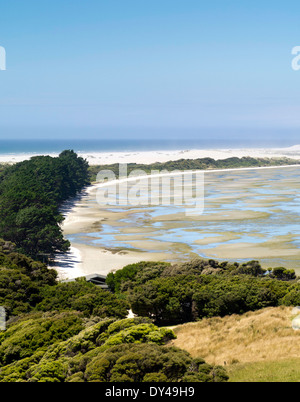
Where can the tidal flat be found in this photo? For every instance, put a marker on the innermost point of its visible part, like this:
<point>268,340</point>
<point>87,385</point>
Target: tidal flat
<point>248,214</point>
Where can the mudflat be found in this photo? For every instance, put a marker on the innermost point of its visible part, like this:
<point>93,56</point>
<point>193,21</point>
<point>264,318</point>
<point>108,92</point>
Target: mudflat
<point>248,214</point>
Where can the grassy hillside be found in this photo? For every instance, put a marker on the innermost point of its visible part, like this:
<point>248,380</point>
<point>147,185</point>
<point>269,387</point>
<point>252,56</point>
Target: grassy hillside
<point>270,371</point>
<point>255,346</point>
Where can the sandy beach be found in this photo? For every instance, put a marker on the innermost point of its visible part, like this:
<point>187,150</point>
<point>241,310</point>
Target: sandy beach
<point>83,259</point>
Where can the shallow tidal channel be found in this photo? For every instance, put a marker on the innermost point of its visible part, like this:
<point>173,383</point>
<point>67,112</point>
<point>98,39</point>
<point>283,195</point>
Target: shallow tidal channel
<point>248,214</point>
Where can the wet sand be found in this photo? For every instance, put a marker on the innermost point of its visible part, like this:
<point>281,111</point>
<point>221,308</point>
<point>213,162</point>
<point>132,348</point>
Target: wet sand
<point>85,216</point>
<point>249,214</point>
<point>98,260</point>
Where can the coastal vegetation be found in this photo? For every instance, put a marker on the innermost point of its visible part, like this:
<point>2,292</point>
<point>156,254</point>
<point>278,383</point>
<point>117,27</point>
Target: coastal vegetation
<point>3,166</point>
<point>65,347</point>
<point>195,164</point>
<point>178,293</point>
<point>31,193</point>
<point>77,332</point>
<point>27,285</point>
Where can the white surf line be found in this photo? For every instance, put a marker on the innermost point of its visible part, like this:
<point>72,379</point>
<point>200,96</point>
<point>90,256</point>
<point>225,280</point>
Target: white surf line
<point>178,173</point>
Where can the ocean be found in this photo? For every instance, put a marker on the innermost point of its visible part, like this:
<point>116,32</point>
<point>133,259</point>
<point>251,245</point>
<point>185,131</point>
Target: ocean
<point>42,146</point>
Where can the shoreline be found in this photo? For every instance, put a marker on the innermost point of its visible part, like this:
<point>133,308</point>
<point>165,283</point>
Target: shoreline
<point>98,260</point>
<point>148,157</point>
<point>85,259</point>
<point>68,263</point>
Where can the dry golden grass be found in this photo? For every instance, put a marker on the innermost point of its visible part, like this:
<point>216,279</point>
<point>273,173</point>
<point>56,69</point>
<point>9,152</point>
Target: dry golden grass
<point>264,335</point>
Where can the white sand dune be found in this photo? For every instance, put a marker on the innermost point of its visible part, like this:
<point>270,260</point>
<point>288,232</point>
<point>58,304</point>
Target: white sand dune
<point>147,157</point>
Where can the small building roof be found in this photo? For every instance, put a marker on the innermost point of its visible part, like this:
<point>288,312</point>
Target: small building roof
<point>96,279</point>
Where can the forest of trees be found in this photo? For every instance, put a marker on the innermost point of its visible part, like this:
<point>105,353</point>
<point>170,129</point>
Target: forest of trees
<point>175,294</point>
<point>31,193</point>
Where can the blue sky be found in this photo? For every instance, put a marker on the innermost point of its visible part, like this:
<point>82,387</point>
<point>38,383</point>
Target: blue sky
<point>155,68</point>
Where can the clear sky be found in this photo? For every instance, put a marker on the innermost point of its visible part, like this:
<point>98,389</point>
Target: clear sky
<point>159,67</point>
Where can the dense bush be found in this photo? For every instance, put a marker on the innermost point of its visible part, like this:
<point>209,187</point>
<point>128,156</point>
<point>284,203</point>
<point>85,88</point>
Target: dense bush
<point>174,294</point>
<point>104,351</point>
<point>149,363</point>
<point>30,195</point>
<point>195,164</point>
<point>27,285</point>
<point>141,272</point>
<point>292,298</point>
<point>37,331</point>
<point>81,296</point>
<point>21,280</point>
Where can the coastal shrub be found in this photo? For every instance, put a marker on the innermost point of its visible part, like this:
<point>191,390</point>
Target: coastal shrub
<point>195,164</point>
<point>27,285</point>
<point>131,275</point>
<point>140,272</point>
<point>120,325</point>
<point>282,274</point>
<point>166,300</point>
<point>292,298</point>
<point>21,280</point>
<point>140,333</point>
<point>148,363</point>
<point>183,298</point>
<point>134,330</point>
<point>62,352</point>
<point>48,371</point>
<point>182,292</point>
<point>37,331</point>
<point>252,268</point>
<point>155,377</point>
<point>84,297</point>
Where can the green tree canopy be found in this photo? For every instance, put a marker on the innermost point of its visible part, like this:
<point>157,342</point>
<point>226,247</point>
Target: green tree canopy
<point>31,193</point>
